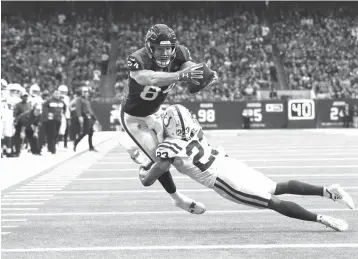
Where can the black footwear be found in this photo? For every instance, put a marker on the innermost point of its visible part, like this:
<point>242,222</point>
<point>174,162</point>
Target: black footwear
<point>93,149</point>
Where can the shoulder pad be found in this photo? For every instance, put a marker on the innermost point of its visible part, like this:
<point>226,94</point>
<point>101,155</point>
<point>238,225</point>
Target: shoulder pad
<point>138,60</point>
<point>183,54</point>
<point>170,148</point>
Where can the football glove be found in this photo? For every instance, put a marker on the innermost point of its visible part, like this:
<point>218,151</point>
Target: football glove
<point>190,74</point>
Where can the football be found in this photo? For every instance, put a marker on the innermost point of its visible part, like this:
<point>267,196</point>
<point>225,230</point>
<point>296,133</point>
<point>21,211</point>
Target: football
<point>208,75</point>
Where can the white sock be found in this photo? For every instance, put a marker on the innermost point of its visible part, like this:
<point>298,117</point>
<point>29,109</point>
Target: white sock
<point>319,217</point>
<point>177,196</point>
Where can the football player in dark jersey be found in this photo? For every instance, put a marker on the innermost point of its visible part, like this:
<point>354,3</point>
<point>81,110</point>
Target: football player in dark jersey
<point>153,72</point>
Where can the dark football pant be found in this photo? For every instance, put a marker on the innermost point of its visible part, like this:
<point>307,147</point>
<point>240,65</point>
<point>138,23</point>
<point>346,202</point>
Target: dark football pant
<point>31,139</point>
<point>75,128</point>
<point>52,130</point>
<point>17,139</point>
<point>87,129</point>
<point>42,135</point>
<point>65,136</point>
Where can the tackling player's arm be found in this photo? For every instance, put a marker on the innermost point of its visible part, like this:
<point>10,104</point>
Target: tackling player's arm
<point>149,176</point>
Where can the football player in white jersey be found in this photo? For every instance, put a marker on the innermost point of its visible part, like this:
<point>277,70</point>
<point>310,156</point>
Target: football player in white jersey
<point>186,147</point>
<point>10,97</point>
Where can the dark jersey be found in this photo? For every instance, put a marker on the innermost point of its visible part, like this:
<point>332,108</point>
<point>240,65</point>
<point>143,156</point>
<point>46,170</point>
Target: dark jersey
<point>144,100</point>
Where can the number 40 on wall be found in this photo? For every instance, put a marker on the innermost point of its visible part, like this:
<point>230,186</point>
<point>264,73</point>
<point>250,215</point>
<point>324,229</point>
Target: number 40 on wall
<point>301,109</point>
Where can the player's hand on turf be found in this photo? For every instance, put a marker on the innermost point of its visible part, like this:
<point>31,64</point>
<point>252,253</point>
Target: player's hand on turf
<point>190,74</point>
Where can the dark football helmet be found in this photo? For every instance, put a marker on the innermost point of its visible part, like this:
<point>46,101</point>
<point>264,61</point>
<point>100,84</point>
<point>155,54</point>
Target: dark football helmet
<point>161,37</point>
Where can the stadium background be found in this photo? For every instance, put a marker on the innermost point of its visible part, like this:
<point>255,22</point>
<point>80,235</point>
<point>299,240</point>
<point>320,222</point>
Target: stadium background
<point>91,205</point>
<point>299,49</point>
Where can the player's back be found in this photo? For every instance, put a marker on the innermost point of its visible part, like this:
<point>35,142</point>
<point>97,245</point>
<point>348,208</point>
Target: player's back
<point>142,100</point>
<point>195,158</point>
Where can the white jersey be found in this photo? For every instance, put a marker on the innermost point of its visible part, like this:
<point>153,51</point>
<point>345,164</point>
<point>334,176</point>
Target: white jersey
<point>195,158</point>
<point>12,100</point>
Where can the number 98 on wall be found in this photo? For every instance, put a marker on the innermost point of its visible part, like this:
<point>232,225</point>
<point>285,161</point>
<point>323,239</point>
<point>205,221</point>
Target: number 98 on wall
<point>301,109</point>
<point>205,115</point>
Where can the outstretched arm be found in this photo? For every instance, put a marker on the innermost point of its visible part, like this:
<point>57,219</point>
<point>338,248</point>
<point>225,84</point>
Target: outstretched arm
<point>150,77</point>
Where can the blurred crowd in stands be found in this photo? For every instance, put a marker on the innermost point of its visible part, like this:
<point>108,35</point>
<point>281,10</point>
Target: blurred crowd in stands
<point>72,44</point>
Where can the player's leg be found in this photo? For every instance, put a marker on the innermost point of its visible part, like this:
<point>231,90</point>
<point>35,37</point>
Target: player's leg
<point>8,132</point>
<point>334,191</point>
<point>65,136</point>
<point>90,123</point>
<point>81,134</point>
<point>17,139</point>
<point>293,210</point>
<point>250,187</point>
<point>147,141</point>
<point>49,135</point>
<point>31,139</point>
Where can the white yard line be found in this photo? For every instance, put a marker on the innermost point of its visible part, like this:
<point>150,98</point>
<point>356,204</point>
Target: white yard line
<point>39,189</point>
<point>10,209</point>
<point>28,195</point>
<point>15,199</point>
<point>180,247</point>
<point>174,212</point>
<point>13,220</point>
<point>21,203</point>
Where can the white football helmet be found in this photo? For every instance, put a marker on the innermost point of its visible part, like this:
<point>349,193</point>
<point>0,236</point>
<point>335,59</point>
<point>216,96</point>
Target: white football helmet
<point>63,90</point>
<point>15,90</point>
<point>35,90</point>
<point>178,123</point>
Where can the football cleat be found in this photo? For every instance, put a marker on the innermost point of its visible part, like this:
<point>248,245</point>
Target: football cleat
<point>336,224</point>
<point>338,194</point>
<point>190,206</point>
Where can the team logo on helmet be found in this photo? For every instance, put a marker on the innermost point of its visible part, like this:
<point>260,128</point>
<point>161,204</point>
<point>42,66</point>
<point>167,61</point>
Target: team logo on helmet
<point>179,123</point>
